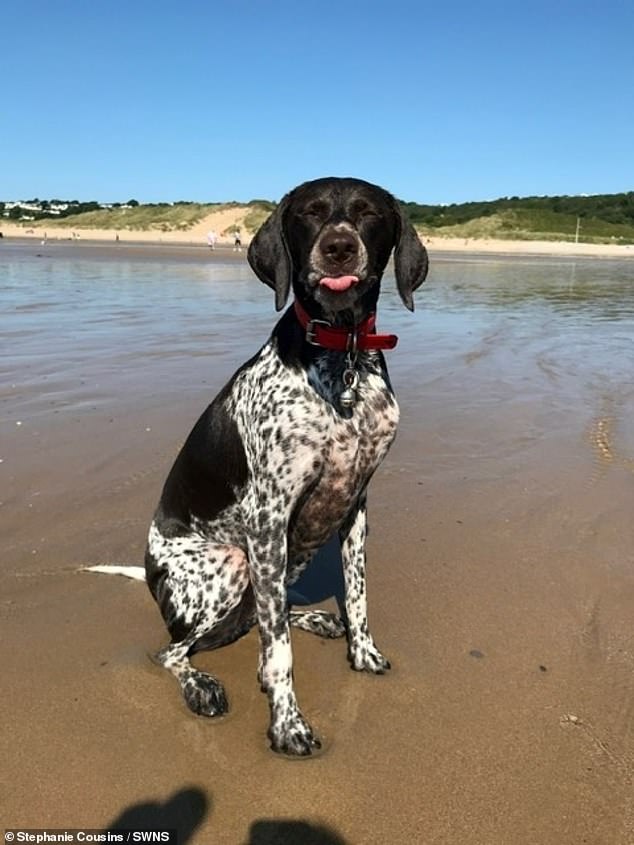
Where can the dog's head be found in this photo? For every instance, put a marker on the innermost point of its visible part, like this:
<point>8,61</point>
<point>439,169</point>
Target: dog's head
<point>331,240</point>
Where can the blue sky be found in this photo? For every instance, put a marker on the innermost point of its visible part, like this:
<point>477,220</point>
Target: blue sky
<point>438,102</point>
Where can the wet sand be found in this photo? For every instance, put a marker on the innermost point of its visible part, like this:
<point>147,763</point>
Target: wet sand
<point>501,587</point>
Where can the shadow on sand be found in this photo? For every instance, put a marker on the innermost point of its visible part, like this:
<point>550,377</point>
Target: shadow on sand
<point>322,579</point>
<point>185,811</point>
<point>292,832</point>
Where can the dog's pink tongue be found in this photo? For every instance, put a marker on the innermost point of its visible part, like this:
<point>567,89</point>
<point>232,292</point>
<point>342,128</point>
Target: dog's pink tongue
<point>339,283</point>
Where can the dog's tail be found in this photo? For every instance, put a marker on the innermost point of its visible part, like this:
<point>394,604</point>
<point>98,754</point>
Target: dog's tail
<point>137,573</point>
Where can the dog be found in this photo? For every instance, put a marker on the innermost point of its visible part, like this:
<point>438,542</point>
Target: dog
<point>282,457</point>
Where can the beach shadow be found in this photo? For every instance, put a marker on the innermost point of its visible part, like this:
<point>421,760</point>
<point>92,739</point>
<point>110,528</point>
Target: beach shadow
<point>183,812</point>
<point>292,832</point>
<point>322,579</point>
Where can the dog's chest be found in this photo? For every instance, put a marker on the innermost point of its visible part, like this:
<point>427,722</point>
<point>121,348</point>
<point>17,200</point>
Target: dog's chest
<point>352,445</point>
<point>313,457</point>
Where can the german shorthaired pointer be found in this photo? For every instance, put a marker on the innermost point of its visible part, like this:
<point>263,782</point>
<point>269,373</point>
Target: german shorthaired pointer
<point>282,457</point>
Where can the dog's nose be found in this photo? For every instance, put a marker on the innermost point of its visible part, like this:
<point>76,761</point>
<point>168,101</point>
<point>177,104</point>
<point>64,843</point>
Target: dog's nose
<point>339,247</point>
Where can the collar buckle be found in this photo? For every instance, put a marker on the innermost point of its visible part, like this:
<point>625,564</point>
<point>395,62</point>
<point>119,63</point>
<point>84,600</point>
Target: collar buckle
<point>311,331</point>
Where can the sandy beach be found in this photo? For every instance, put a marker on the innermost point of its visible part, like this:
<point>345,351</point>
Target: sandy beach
<point>501,585</point>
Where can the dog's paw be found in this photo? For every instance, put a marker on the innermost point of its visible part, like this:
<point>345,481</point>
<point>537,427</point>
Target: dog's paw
<point>294,737</point>
<point>365,657</point>
<point>319,622</point>
<point>204,695</point>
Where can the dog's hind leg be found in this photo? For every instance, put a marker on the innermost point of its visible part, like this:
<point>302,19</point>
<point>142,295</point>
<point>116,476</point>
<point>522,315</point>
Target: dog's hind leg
<point>320,622</point>
<point>235,625</point>
<point>203,693</point>
<point>198,586</point>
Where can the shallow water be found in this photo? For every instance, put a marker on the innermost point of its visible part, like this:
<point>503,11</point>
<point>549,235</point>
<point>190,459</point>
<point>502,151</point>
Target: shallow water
<point>90,329</point>
<point>82,330</point>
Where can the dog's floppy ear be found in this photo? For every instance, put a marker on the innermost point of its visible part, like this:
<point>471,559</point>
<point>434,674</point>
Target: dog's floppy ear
<point>410,258</point>
<point>269,257</point>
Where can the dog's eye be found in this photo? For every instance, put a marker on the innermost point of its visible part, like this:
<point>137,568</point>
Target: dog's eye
<point>363,211</point>
<point>316,209</point>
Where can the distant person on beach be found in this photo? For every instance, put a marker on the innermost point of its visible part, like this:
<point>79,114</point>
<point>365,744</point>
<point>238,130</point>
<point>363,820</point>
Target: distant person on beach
<point>211,239</point>
<point>237,244</point>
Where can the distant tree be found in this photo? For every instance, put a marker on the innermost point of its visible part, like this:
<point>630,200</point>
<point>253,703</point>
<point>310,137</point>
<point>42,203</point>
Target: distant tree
<point>133,203</point>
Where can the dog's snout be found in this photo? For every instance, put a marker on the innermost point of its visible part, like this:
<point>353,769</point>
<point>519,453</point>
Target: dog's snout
<point>339,247</point>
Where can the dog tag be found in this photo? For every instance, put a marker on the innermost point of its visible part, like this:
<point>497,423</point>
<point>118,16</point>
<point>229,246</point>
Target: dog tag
<point>350,380</point>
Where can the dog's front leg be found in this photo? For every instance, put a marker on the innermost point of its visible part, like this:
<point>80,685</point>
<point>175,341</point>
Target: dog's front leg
<point>289,732</point>
<point>362,653</point>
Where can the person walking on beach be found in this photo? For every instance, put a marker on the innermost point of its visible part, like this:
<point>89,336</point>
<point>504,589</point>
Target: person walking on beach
<point>237,244</point>
<point>211,239</point>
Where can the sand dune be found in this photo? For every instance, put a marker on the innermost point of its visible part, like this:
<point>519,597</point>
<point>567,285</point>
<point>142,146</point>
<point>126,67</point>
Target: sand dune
<point>220,221</point>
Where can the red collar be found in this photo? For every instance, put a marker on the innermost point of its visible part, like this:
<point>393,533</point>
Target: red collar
<point>361,337</point>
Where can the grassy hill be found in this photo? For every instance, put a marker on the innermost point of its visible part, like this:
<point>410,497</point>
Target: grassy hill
<point>530,225</point>
<point>162,217</point>
<point>602,218</point>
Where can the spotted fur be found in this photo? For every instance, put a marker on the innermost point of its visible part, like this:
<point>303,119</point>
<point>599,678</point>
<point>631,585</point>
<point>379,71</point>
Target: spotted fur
<point>276,464</point>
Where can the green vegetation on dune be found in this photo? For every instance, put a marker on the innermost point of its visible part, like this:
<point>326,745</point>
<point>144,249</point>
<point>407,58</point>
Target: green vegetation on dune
<point>525,224</point>
<point>601,218</point>
<point>258,211</point>
<point>163,217</point>
<point>612,208</point>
